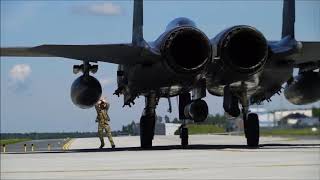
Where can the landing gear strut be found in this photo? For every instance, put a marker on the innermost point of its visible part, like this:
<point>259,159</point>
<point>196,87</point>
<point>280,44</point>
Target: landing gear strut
<point>147,121</point>
<point>250,122</point>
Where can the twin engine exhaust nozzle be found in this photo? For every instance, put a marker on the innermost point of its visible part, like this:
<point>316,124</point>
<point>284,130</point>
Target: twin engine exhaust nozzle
<point>186,49</point>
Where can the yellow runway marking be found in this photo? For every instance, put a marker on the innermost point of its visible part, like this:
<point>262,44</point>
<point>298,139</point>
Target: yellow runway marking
<point>67,145</point>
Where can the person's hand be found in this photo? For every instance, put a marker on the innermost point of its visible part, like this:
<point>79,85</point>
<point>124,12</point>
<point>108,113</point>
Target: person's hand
<point>103,105</point>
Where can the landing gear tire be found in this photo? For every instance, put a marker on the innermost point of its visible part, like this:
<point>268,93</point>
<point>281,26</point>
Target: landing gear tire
<point>146,131</point>
<point>251,127</point>
<point>184,135</point>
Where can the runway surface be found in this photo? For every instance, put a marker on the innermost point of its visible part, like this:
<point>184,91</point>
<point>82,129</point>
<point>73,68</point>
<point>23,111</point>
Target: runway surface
<point>38,145</point>
<point>208,157</point>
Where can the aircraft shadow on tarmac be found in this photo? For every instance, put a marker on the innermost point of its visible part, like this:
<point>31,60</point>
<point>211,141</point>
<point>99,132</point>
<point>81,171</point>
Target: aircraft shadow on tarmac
<point>190,147</point>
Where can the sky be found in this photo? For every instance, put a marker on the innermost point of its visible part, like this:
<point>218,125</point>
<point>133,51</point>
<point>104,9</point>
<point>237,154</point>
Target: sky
<point>35,92</point>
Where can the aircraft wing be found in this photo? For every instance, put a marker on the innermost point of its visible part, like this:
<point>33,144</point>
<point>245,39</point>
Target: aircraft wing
<point>111,53</point>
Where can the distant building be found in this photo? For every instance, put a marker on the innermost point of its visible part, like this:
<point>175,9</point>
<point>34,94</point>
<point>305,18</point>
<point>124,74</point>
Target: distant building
<point>170,128</point>
<point>280,114</point>
<point>266,119</point>
<point>299,120</point>
<point>309,122</point>
<point>274,118</point>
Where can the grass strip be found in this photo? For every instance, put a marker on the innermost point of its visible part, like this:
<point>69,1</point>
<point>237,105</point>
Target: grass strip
<point>12,141</point>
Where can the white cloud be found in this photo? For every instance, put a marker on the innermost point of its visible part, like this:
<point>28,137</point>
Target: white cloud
<point>102,9</point>
<point>20,72</point>
<point>106,81</point>
<point>18,17</point>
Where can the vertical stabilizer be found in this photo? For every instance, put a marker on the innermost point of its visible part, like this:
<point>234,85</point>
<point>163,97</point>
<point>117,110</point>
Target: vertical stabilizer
<point>137,29</point>
<point>288,18</point>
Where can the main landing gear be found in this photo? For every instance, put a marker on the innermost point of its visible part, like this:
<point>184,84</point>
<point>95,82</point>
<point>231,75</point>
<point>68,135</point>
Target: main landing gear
<point>250,120</point>
<point>147,121</point>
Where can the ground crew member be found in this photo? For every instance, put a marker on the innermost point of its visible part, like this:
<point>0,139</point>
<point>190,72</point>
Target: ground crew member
<point>102,107</point>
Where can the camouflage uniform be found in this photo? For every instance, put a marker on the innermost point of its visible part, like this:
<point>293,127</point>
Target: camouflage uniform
<point>103,122</point>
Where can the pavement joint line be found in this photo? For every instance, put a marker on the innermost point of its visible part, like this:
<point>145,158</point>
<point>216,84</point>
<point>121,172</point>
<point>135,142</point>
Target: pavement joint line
<point>97,170</point>
<point>153,169</point>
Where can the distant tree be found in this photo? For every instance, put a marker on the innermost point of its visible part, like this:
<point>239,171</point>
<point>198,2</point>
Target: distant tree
<point>166,119</point>
<point>124,129</point>
<point>129,129</point>
<point>218,120</point>
<point>133,123</point>
<point>176,120</point>
<point>159,119</point>
<point>316,112</point>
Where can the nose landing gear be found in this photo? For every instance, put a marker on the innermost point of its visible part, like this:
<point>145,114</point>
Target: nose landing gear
<point>184,135</point>
<point>184,100</point>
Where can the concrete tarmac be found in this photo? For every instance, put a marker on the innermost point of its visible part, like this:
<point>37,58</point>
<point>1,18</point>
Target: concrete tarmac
<point>208,157</point>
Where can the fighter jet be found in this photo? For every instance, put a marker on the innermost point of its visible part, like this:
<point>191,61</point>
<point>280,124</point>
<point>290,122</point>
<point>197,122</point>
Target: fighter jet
<point>239,64</point>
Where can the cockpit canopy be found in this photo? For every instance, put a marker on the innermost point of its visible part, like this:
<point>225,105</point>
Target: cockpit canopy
<point>181,21</point>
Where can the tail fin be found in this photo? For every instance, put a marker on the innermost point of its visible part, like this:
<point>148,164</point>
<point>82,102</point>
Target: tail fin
<point>137,29</point>
<point>288,18</point>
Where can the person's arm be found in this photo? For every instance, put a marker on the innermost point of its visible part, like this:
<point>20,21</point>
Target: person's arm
<point>107,106</point>
<point>97,109</point>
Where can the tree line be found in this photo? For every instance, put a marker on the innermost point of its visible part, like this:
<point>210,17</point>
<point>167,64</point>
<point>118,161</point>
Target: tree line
<point>129,129</point>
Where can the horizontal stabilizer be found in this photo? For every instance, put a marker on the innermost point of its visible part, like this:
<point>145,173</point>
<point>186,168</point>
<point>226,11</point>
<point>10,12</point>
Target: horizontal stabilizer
<point>21,52</point>
<point>112,53</point>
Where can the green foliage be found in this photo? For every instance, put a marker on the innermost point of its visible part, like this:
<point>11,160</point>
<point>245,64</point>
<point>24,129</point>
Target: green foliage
<point>159,119</point>
<point>129,129</point>
<point>289,132</point>
<point>218,120</point>
<point>62,135</point>
<point>176,120</point>
<point>202,129</point>
<point>12,141</point>
<point>166,119</point>
<point>316,112</point>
